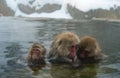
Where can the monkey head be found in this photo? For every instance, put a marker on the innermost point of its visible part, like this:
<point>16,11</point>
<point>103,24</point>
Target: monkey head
<point>89,50</point>
<point>64,45</point>
<point>36,55</point>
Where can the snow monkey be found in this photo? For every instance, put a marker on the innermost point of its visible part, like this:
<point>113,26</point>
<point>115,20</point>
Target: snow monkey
<point>63,48</point>
<point>89,51</point>
<point>36,55</point>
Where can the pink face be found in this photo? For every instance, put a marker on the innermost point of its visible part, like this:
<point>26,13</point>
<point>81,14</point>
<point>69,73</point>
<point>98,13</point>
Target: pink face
<point>83,54</point>
<point>35,53</point>
<point>72,50</point>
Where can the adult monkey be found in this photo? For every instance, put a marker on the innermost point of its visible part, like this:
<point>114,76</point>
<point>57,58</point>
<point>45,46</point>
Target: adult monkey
<point>63,48</point>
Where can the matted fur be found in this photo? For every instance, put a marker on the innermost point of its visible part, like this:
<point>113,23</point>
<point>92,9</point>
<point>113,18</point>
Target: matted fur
<point>91,45</point>
<point>62,42</point>
<point>41,49</point>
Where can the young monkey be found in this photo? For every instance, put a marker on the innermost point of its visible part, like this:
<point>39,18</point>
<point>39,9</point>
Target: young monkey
<point>89,51</point>
<point>36,56</point>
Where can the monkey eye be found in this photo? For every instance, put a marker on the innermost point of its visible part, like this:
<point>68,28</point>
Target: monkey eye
<point>35,50</point>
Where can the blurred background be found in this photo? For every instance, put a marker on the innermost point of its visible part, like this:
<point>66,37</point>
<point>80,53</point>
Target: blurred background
<point>70,9</point>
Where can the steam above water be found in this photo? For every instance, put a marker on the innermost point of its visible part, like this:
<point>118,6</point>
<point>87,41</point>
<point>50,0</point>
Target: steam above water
<point>83,5</point>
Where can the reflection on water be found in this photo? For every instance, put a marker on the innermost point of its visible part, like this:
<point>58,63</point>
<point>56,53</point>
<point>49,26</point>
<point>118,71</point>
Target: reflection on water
<point>66,71</point>
<point>17,35</point>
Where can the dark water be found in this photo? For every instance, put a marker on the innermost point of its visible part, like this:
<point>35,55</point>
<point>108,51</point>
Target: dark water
<point>17,34</point>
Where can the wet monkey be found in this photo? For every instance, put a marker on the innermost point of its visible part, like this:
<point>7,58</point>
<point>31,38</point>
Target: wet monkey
<point>36,55</point>
<point>89,51</point>
<point>63,48</point>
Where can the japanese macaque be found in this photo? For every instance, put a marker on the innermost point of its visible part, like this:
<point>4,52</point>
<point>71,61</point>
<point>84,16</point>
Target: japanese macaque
<point>36,56</point>
<point>63,48</point>
<point>89,51</point>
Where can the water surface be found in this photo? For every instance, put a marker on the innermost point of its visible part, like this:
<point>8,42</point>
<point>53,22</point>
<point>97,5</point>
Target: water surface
<point>18,34</point>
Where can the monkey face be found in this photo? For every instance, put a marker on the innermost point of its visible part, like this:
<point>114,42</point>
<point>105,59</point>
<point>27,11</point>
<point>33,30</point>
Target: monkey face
<point>72,51</point>
<point>64,45</point>
<point>35,53</point>
<point>67,48</point>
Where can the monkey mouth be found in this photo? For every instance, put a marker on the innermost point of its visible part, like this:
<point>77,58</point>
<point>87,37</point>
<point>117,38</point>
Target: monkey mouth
<point>72,51</point>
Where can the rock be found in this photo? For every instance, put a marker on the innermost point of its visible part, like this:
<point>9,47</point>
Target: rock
<point>75,13</point>
<point>46,8</point>
<point>4,10</point>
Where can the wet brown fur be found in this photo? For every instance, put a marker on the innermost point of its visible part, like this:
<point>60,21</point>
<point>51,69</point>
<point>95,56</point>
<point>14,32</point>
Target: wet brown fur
<point>41,48</point>
<point>61,42</point>
<point>91,45</point>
